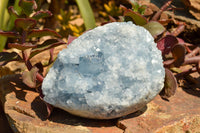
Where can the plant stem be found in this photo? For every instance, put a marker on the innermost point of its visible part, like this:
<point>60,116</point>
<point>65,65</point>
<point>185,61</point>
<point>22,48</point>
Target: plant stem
<point>178,30</point>
<point>39,77</point>
<point>162,9</point>
<point>192,60</point>
<point>26,58</point>
<point>86,13</point>
<point>3,6</point>
<point>193,53</point>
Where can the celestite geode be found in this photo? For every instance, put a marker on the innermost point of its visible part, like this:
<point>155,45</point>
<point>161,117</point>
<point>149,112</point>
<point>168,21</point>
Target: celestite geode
<point>108,72</point>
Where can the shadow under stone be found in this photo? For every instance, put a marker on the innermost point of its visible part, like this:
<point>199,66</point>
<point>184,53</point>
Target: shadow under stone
<point>63,117</point>
<point>135,114</point>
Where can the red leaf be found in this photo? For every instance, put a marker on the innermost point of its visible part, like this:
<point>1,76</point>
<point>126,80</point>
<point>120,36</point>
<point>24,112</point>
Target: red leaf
<point>21,46</point>
<point>28,6</point>
<point>9,34</point>
<point>178,52</point>
<point>6,57</point>
<point>170,85</point>
<point>25,23</point>
<point>165,44</point>
<point>12,11</point>
<point>48,44</point>
<point>41,14</point>
<point>44,32</point>
<point>70,39</point>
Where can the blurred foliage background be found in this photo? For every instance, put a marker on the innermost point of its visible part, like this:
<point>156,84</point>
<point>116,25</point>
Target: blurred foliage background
<point>70,17</point>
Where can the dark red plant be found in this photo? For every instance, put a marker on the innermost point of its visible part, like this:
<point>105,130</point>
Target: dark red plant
<point>24,34</point>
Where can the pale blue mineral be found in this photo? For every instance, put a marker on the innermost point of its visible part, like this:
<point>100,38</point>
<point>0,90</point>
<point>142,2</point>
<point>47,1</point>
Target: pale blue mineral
<point>108,72</point>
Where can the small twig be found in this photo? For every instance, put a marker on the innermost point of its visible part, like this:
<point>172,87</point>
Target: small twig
<point>39,77</point>
<point>178,30</point>
<point>187,49</point>
<point>168,63</point>
<point>189,44</point>
<point>162,9</point>
<point>192,60</point>
<point>174,8</point>
<point>25,58</point>
<point>193,52</point>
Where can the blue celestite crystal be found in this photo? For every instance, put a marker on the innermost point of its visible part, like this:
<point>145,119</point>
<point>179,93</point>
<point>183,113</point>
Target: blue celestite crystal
<point>91,64</point>
<point>108,72</point>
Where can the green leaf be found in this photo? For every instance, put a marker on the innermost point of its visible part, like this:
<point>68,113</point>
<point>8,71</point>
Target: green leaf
<point>86,13</point>
<point>3,41</point>
<point>135,6</point>
<point>13,17</point>
<point>155,28</point>
<point>142,9</point>
<point>41,14</point>
<point>6,57</point>
<point>25,23</point>
<point>48,44</point>
<point>21,46</point>
<point>3,7</point>
<point>178,52</point>
<point>135,17</point>
<point>170,85</point>
<point>28,6</point>
<point>9,34</point>
<point>12,11</point>
<point>29,77</point>
<point>41,33</point>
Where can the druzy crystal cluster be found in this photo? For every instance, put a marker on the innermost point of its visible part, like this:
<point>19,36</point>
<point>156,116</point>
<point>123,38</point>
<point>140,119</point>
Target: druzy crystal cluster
<point>108,72</point>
